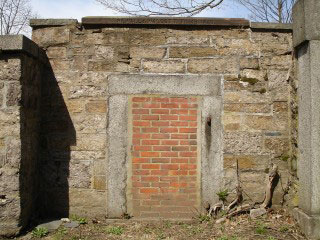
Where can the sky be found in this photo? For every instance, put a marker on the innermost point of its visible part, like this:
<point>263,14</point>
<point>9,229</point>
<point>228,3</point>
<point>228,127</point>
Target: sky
<point>82,8</point>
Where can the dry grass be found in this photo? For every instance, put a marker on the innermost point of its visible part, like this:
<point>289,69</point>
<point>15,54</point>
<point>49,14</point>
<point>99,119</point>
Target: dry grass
<point>277,225</point>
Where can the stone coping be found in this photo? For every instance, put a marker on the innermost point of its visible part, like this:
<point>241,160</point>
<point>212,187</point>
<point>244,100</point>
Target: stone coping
<point>20,43</point>
<point>160,21</point>
<point>271,26</point>
<point>171,21</point>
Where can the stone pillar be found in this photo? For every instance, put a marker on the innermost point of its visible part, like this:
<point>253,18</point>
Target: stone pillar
<point>306,40</point>
<point>20,80</point>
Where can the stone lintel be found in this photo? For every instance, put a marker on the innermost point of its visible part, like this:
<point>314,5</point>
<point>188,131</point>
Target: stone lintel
<point>271,26</point>
<point>20,43</point>
<point>38,23</point>
<point>310,225</point>
<point>171,21</point>
<point>306,21</point>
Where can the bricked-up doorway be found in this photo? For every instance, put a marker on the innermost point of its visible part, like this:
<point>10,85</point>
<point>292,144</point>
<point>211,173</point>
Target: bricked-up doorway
<point>164,159</point>
<point>165,176</point>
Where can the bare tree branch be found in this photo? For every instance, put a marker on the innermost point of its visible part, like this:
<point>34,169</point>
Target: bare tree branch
<point>269,10</point>
<point>14,16</point>
<point>160,7</point>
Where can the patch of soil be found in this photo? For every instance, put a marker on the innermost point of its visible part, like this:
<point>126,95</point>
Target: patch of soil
<point>272,226</point>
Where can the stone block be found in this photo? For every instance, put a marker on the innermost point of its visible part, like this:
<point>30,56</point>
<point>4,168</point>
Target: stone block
<point>57,52</point>
<point>243,143</point>
<point>248,108</point>
<point>188,40</point>
<point>87,155</point>
<point>249,63</point>
<point>277,145</point>
<point>164,66</point>
<point>263,123</point>
<point>247,97</point>
<point>80,173</point>
<point>96,107</point>
<point>90,142</point>
<point>147,52</point>
<point>278,85</point>
<point>243,47</point>
<point>252,76</point>
<point>46,37</point>
<point>149,38</point>
<point>75,105</point>
<point>89,123</point>
<point>276,62</point>
<point>60,65</point>
<point>247,162</point>
<point>213,65</point>
<point>104,52</point>
<point>13,94</point>
<point>99,182</point>
<point>189,52</point>
<point>99,167</point>
<point>105,66</point>
<point>95,92</point>
<point>13,152</point>
<point>10,70</point>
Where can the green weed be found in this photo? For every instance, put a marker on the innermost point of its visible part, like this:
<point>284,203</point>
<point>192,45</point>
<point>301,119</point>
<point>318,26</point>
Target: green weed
<point>40,232</point>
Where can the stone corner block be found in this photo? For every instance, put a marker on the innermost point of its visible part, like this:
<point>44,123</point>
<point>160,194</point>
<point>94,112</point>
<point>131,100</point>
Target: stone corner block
<point>37,23</point>
<point>306,21</point>
<point>310,225</point>
<point>19,43</point>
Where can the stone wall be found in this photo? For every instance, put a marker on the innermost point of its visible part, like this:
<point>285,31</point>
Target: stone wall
<point>20,84</point>
<point>252,62</point>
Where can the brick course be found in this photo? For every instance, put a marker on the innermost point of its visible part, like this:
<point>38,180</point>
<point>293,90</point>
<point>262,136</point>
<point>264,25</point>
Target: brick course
<point>164,162</point>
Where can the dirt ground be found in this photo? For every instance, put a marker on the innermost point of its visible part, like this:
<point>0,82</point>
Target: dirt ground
<point>274,225</point>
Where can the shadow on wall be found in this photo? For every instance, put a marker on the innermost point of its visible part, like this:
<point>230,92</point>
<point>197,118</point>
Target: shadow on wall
<point>57,135</point>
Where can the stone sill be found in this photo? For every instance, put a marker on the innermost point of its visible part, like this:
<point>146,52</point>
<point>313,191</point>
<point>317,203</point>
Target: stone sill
<point>160,21</point>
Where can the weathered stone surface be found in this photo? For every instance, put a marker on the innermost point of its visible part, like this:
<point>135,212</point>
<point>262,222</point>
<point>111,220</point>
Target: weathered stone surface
<point>71,224</point>
<point>57,52</point>
<point>87,91</point>
<point>305,21</point>
<point>51,226</point>
<point>247,162</point>
<point>165,66</point>
<point>89,123</point>
<point>187,52</point>
<point>277,146</point>
<point>96,107</point>
<point>90,142</point>
<point>248,108</point>
<point>243,143</point>
<point>147,52</point>
<point>242,47</point>
<point>185,39</point>
<point>99,182</point>
<point>254,213</point>
<point>213,65</point>
<point>249,63</point>
<point>45,37</point>
<point>10,70</point>
<point>167,84</point>
<point>278,85</point>
<point>269,123</point>
<point>13,94</point>
<point>245,97</point>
